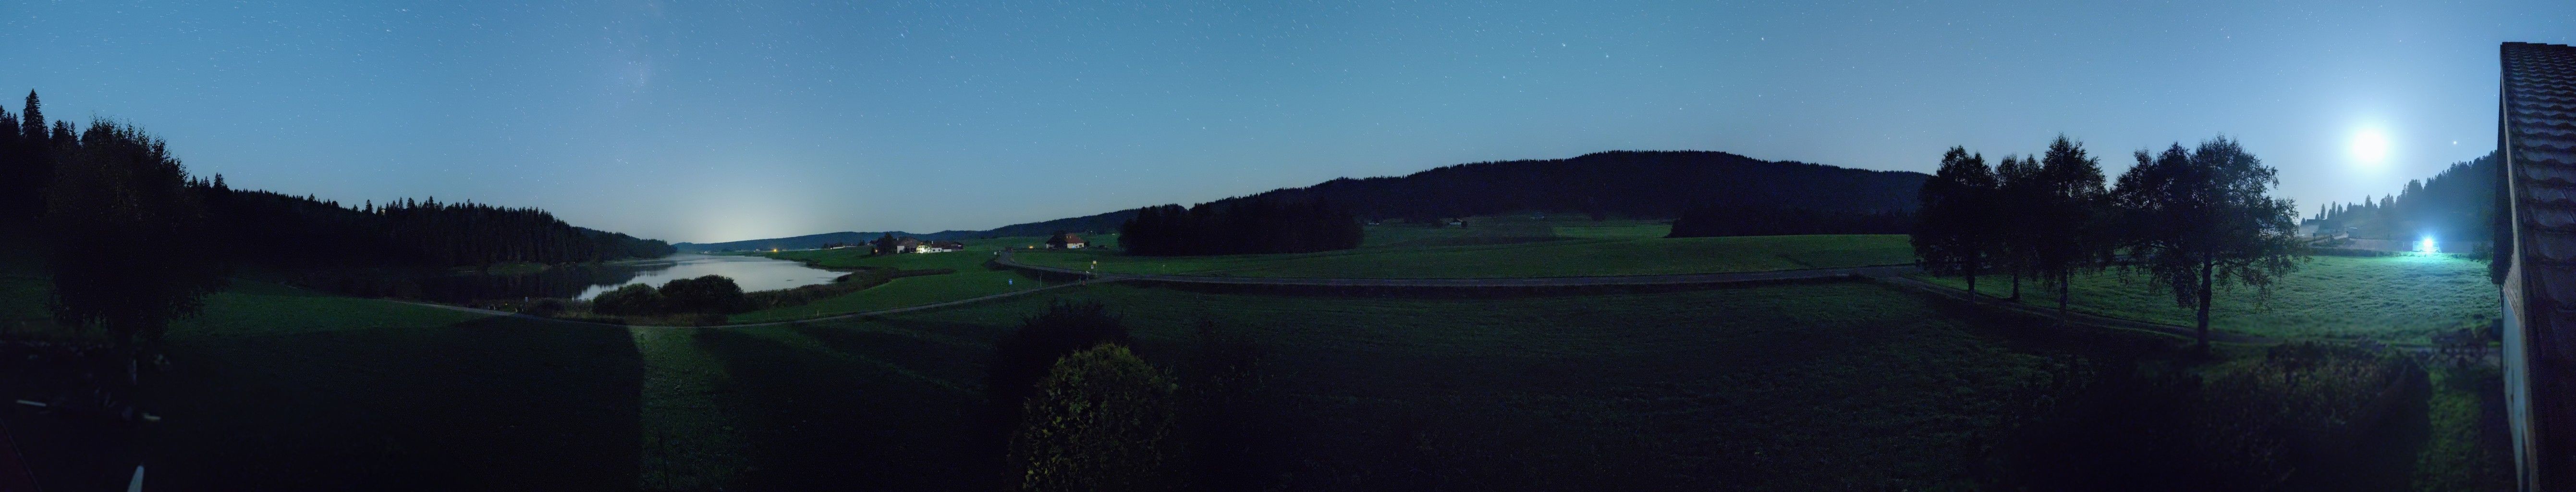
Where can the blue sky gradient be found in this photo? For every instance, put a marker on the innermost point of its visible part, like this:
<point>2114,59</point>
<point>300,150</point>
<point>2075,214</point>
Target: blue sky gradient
<point>709,121</point>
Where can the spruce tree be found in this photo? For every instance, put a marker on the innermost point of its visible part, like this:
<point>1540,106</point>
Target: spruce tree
<point>31,121</point>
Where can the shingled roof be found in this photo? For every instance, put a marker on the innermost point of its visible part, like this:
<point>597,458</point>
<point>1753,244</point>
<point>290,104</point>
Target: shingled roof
<point>2537,135</point>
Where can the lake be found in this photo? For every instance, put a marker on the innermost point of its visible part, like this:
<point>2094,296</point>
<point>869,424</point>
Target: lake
<point>753,273</point>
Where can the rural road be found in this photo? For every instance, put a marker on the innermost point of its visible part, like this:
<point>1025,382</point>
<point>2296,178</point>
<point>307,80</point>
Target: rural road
<point>1681,279</point>
<point>1889,274</point>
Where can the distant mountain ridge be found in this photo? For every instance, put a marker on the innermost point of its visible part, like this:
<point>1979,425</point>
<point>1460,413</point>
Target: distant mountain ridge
<point>1622,183</point>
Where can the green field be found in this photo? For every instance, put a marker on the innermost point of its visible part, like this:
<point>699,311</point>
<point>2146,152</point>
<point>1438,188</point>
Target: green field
<point>289,389</point>
<point>972,278</point>
<point>1789,387</point>
<point>1846,385</point>
<point>2402,299</point>
<point>1424,255</point>
<point>1744,387</point>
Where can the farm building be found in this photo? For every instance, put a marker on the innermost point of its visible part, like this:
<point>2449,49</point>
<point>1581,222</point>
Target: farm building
<point>2537,241</point>
<point>1065,240</point>
<point>906,245</point>
<point>939,247</point>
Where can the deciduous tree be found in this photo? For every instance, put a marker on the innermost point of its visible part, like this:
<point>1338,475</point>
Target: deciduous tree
<point>2070,222</point>
<point>2020,194</point>
<point>1954,235</point>
<point>2203,218</point>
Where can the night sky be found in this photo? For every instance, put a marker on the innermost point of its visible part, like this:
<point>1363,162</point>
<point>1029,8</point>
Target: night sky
<point>715,121</point>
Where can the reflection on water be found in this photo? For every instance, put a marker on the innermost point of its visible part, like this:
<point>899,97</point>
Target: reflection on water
<point>584,281</point>
<point>751,272</point>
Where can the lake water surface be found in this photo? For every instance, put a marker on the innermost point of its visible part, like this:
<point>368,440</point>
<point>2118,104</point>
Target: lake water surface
<point>753,273</point>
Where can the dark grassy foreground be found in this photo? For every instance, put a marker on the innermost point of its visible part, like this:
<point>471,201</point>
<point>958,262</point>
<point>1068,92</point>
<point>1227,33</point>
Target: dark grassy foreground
<point>1799,387</point>
<point>1821,386</point>
<point>2397,299</point>
<point>279,389</point>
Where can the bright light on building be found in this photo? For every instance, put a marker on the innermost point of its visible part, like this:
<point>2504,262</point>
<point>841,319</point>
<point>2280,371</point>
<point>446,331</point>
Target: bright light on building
<point>2426,246</point>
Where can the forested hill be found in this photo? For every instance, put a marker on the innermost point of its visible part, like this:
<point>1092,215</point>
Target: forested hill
<point>1101,222</point>
<point>113,183</point>
<point>1623,183</point>
<point>281,230</point>
<point>2456,205</point>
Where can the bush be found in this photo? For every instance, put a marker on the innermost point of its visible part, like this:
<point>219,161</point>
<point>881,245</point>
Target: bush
<point>2287,420</point>
<point>1028,354</point>
<point>1101,420</point>
<point>630,300</point>
<point>708,294</point>
<point>2299,407</point>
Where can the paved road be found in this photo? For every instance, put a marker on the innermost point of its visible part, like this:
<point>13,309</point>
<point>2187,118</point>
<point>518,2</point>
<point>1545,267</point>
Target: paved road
<point>1683,279</point>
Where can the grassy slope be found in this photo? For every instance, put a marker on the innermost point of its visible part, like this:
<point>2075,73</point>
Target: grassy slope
<point>281,388</point>
<point>972,279</point>
<point>1550,258</point>
<point>2399,298</point>
<point>2467,447</point>
<point>1695,389</point>
<point>1794,387</point>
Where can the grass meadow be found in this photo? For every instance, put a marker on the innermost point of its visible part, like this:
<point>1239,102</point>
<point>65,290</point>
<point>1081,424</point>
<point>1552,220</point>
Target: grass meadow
<point>1500,249</point>
<point>2399,299</point>
<point>972,277</point>
<point>1761,387</point>
<point>1807,386</point>
<point>280,388</point>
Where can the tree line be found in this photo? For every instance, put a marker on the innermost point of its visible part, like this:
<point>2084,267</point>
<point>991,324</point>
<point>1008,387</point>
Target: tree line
<point>1240,227</point>
<point>1618,183</point>
<point>133,240</point>
<point>280,230</point>
<point>276,229</point>
<point>2453,205</point>
<point>2191,219</point>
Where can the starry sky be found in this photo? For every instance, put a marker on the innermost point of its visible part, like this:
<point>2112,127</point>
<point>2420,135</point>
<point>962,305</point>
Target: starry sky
<point>717,121</point>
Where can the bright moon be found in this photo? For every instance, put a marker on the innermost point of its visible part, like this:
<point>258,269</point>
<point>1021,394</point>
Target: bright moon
<point>2370,147</point>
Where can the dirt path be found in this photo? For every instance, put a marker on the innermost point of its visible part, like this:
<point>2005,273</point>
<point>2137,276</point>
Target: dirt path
<point>2071,316</point>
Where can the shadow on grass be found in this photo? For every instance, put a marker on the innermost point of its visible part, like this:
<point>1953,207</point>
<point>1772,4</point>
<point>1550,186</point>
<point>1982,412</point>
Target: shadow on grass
<point>816,422</point>
<point>960,362</point>
<point>2386,457</point>
<point>491,404</point>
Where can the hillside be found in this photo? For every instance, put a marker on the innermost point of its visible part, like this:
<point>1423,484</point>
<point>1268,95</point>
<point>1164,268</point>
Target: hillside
<point>1641,184</point>
<point>1626,183</point>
